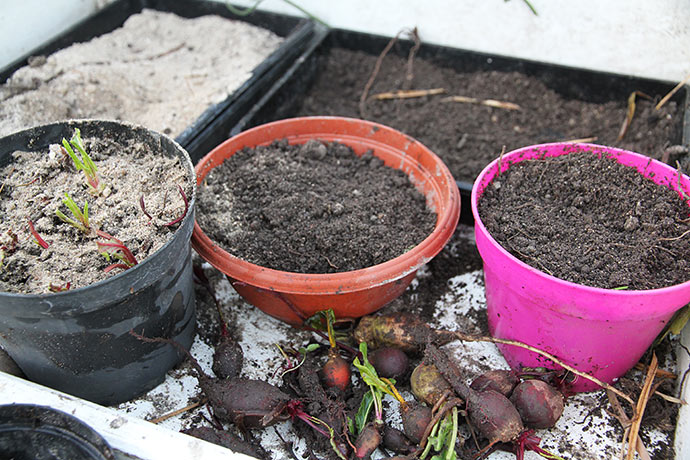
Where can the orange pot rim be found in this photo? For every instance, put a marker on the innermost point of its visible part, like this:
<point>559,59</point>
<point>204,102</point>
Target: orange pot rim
<point>342,282</point>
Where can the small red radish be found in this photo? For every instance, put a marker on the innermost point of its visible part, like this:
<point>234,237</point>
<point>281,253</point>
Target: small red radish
<point>501,380</point>
<point>336,371</point>
<point>428,385</point>
<point>389,362</point>
<point>400,330</point>
<point>540,405</point>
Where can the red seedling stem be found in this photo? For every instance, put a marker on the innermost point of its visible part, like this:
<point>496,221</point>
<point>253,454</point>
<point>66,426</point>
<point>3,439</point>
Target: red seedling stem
<point>186,208</point>
<point>41,242</point>
<point>60,288</point>
<point>143,207</point>
<point>115,245</point>
<point>142,204</point>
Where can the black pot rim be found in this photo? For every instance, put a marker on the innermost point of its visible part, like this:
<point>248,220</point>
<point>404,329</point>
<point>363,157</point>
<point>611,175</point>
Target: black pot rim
<point>127,276</point>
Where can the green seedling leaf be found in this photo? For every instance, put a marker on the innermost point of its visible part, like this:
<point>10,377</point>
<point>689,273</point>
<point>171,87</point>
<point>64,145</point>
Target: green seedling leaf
<point>350,424</point>
<point>311,347</point>
<point>302,351</point>
<point>363,412</point>
<point>679,320</point>
<point>369,374</point>
<point>81,216</point>
<point>84,163</point>
<point>443,437</point>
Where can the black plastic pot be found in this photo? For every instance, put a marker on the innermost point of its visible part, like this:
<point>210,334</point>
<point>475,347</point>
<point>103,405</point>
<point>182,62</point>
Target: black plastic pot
<point>211,127</point>
<point>78,341</point>
<point>30,432</point>
<point>284,98</point>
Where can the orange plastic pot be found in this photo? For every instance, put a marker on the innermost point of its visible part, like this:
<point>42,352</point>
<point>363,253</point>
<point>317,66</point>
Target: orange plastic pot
<point>293,297</point>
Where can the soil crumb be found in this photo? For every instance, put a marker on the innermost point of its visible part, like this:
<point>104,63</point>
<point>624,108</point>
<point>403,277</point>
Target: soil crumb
<point>314,208</point>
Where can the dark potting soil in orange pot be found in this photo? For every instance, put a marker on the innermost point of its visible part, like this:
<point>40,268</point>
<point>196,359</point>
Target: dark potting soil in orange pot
<point>353,266</point>
<point>312,208</point>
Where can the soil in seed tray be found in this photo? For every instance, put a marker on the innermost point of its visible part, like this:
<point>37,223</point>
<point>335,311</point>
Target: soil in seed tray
<point>315,208</point>
<point>158,70</point>
<point>34,187</point>
<point>590,220</point>
<point>467,137</point>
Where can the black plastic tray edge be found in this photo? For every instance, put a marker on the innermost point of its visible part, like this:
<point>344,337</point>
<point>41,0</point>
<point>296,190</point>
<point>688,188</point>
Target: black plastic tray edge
<point>296,30</point>
<point>247,120</point>
<point>354,40</point>
<point>218,119</point>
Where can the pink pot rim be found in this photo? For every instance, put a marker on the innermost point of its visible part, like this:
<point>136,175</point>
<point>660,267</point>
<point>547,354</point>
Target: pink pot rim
<point>350,281</point>
<point>487,175</point>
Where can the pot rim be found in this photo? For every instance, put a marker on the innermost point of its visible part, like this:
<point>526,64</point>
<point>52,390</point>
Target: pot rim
<point>341,282</point>
<point>488,173</point>
<point>130,275</point>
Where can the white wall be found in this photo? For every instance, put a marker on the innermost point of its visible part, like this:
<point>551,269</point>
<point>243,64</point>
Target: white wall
<point>636,37</point>
<point>27,24</point>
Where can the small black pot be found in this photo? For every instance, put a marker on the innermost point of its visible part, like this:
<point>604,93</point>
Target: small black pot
<point>30,432</point>
<point>78,341</point>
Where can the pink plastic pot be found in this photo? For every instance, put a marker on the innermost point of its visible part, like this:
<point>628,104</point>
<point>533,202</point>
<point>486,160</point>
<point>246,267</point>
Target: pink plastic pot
<point>293,297</point>
<point>599,331</point>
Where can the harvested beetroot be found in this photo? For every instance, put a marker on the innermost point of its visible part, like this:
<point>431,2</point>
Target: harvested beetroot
<point>540,405</point>
<point>228,358</point>
<point>396,441</point>
<point>247,403</point>
<point>389,362</point>
<point>500,380</point>
<point>225,439</point>
<point>491,413</point>
<point>399,330</point>
<point>367,441</point>
<point>427,383</point>
<point>415,419</point>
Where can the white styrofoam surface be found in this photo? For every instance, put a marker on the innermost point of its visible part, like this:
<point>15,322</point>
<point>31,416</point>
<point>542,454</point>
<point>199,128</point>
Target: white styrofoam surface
<point>682,443</point>
<point>127,434</point>
<point>125,428</point>
<point>583,432</point>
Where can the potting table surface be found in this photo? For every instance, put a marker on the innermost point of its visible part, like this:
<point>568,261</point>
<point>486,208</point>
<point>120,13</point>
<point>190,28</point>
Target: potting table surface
<point>585,431</point>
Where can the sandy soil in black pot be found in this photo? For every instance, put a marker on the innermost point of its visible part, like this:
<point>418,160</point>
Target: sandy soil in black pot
<point>34,187</point>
